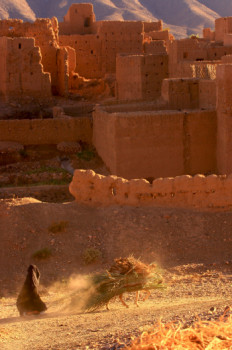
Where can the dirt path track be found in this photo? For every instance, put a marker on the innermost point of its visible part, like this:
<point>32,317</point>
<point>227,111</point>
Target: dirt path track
<point>192,246</point>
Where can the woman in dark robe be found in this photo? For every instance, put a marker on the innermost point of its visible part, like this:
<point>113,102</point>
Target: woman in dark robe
<point>28,301</point>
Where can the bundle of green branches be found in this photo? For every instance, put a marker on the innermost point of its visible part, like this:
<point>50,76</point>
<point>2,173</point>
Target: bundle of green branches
<point>126,275</point>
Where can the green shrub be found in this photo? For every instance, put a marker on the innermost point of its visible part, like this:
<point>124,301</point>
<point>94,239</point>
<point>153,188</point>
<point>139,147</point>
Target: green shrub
<point>86,155</point>
<point>23,153</point>
<point>46,169</point>
<point>42,254</point>
<point>57,227</point>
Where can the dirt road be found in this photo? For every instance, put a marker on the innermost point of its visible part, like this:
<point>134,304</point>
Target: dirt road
<point>193,248</point>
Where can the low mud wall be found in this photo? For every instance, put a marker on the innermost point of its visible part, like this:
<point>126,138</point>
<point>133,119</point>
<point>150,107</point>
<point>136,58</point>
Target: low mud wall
<point>46,131</point>
<point>182,191</point>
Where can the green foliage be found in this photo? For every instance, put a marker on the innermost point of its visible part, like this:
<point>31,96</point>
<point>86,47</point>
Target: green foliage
<point>54,182</point>
<point>46,169</point>
<point>42,254</point>
<point>91,255</point>
<point>57,227</point>
<point>86,155</point>
<point>194,36</point>
<point>23,153</point>
<point>51,182</point>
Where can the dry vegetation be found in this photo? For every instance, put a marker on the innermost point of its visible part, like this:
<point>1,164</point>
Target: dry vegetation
<point>200,336</point>
<point>91,255</point>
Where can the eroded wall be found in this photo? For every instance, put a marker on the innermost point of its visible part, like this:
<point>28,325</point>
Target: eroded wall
<point>89,58</point>
<point>45,33</point>
<point>22,71</point>
<point>182,191</point>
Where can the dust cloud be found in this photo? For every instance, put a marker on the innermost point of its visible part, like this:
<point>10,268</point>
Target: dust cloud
<point>73,295</point>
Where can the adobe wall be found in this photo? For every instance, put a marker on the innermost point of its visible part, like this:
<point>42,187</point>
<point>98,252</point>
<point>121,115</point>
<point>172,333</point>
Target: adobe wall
<point>118,37</point>
<point>156,143</point>
<point>184,51</point>
<point>157,47</point>
<point>189,93</point>
<point>62,72</point>
<point>224,120</point>
<point>128,106</point>
<point>129,77</point>
<point>45,33</point>
<point>78,20</point>
<point>153,26</point>
<point>89,58</point>
<point>181,93</point>
<point>223,26</point>
<point>182,191</point>
<point>207,94</point>
<point>22,75</point>
<point>228,40</point>
<point>226,59</point>
<point>46,131</point>
<point>98,43</point>
<point>204,70</point>
<point>3,75</point>
<point>216,52</point>
<point>96,53</point>
<point>158,35</point>
<point>208,34</point>
<point>69,66</point>
<point>154,70</point>
<point>139,77</point>
<point>194,69</point>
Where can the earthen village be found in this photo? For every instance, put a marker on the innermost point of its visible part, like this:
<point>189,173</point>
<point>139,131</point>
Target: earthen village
<point>115,185</point>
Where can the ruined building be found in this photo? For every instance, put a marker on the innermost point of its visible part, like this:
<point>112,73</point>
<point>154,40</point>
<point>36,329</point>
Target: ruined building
<point>169,110</point>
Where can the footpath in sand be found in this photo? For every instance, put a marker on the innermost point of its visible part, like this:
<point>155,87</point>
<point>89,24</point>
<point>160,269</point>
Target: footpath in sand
<point>192,247</point>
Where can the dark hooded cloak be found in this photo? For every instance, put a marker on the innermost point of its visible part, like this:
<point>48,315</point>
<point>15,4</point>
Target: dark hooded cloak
<point>29,300</point>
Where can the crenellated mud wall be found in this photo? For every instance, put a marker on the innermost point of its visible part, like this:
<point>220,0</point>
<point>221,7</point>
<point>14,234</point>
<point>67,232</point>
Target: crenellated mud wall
<point>182,191</point>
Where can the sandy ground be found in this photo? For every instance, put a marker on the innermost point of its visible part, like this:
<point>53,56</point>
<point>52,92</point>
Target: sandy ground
<point>192,247</point>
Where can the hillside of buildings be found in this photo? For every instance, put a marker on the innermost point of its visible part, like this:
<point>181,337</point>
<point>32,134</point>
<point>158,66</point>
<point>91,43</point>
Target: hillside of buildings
<point>136,126</point>
<point>184,17</point>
